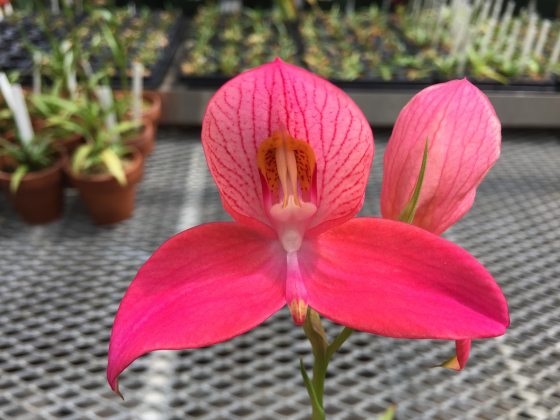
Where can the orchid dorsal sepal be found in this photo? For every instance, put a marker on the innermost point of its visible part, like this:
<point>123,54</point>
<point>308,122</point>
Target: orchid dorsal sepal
<point>407,215</point>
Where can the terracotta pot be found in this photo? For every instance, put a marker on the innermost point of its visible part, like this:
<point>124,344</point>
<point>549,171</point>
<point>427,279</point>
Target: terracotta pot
<point>106,200</point>
<point>39,198</point>
<point>145,139</point>
<point>154,112</point>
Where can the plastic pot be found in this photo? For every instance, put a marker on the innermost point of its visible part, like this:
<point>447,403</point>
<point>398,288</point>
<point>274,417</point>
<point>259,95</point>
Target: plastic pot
<point>39,198</point>
<point>145,139</point>
<point>106,200</point>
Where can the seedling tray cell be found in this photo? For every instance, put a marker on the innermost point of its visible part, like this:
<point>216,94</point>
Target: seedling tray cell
<point>245,40</point>
<point>17,32</point>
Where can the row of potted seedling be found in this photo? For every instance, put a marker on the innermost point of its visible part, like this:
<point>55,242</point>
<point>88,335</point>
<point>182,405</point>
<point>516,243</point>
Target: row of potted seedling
<point>149,37</point>
<point>482,39</point>
<point>71,129</point>
<point>428,40</point>
<point>83,143</point>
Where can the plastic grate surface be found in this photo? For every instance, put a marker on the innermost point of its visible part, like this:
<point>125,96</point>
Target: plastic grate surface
<point>60,286</point>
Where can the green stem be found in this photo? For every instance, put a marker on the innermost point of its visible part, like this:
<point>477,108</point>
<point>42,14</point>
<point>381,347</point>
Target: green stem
<point>322,354</point>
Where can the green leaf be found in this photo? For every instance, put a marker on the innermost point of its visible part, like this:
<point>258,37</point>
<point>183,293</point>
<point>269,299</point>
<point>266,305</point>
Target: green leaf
<point>17,176</point>
<point>114,165</point>
<point>389,414</point>
<point>80,156</point>
<point>338,341</point>
<point>317,408</point>
<point>125,126</point>
<point>407,215</point>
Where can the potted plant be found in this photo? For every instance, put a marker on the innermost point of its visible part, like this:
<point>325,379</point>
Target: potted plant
<point>30,167</point>
<point>105,169</point>
<point>31,177</point>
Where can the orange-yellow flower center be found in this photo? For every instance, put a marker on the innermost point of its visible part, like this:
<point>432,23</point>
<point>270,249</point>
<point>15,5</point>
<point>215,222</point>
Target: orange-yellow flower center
<point>287,164</point>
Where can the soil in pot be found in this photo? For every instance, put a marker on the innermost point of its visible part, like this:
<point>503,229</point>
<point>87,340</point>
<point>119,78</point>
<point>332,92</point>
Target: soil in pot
<point>39,198</point>
<point>106,200</point>
<point>144,139</point>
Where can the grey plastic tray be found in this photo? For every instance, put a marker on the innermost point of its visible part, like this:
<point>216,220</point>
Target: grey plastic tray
<point>60,286</point>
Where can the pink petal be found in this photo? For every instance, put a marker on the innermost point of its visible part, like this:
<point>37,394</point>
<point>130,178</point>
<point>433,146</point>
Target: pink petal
<point>274,96</point>
<point>203,286</point>
<point>464,136</point>
<point>397,280</point>
<point>459,360</point>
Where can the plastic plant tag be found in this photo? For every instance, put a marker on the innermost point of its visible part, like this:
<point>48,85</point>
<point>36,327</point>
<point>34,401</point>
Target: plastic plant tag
<point>37,73</point>
<point>554,56</point>
<point>21,115</point>
<point>105,97</point>
<point>55,7</point>
<point>8,9</point>
<point>542,38</point>
<point>504,25</point>
<point>137,81</point>
<point>6,89</point>
<point>528,41</point>
<point>508,55</point>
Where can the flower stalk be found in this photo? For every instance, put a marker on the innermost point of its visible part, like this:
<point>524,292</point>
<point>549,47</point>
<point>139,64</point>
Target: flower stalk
<point>322,354</point>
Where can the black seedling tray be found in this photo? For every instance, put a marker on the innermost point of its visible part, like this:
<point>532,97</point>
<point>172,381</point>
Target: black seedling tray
<point>387,44</point>
<point>524,85</point>
<point>215,80</point>
<point>15,35</point>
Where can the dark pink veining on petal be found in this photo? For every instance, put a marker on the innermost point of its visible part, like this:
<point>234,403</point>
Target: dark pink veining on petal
<point>310,109</point>
<point>464,137</point>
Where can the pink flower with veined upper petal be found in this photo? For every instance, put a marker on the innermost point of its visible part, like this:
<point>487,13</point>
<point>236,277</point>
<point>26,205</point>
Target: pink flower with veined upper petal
<point>464,139</point>
<point>290,154</point>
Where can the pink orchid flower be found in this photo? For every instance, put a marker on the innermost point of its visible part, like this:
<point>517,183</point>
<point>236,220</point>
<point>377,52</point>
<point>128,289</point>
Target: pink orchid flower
<point>464,140</point>
<point>290,154</point>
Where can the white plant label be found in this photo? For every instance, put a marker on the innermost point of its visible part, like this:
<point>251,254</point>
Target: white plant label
<point>137,81</point>
<point>55,7</point>
<point>21,115</point>
<point>7,92</point>
<point>37,73</point>
<point>105,97</point>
